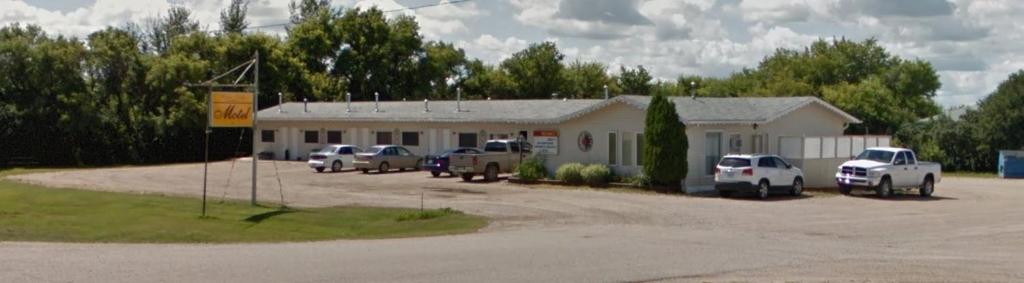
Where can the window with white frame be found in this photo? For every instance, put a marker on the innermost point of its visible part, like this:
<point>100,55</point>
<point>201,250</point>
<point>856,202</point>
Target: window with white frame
<point>411,138</point>
<point>627,149</point>
<point>467,139</point>
<point>312,136</point>
<point>735,143</point>
<point>333,136</point>
<point>639,149</point>
<point>758,144</point>
<point>267,135</point>
<point>384,137</point>
<point>613,149</point>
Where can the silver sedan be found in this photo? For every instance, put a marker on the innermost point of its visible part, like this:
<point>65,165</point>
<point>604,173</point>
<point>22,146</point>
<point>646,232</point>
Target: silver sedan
<point>384,157</point>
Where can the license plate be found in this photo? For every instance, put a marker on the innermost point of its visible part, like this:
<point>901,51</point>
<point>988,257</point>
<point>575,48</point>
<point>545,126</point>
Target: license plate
<point>730,174</point>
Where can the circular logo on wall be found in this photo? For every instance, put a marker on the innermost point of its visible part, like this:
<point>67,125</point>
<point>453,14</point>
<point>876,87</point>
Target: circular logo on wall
<point>585,141</point>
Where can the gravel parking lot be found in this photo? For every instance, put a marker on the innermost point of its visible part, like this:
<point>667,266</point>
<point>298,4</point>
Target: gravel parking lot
<point>972,230</point>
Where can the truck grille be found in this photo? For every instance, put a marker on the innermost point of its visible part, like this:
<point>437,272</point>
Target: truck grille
<point>856,171</point>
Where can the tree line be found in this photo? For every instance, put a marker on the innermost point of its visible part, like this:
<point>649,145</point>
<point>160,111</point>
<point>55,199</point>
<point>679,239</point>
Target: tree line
<point>119,95</point>
<point>972,141</point>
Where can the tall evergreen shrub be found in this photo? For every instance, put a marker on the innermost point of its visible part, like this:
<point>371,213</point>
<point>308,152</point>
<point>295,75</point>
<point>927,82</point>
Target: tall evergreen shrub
<point>665,143</point>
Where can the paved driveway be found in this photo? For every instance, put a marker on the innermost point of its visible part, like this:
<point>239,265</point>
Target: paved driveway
<point>972,231</point>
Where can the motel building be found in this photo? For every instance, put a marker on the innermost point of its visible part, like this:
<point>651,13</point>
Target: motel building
<point>606,131</point>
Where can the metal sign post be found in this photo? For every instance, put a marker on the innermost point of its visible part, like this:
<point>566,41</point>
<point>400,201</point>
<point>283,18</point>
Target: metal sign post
<point>206,147</point>
<point>224,109</point>
<point>255,108</point>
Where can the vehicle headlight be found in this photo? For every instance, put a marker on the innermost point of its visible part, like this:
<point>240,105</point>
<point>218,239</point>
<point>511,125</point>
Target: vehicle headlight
<point>876,172</point>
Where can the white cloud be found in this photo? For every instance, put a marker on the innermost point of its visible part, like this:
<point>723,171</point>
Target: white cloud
<point>435,22</point>
<point>681,20</point>
<point>82,21</point>
<point>974,44</point>
<point>550,16</point>
<point>447,19</point>
<point>490,48</point>
<point>774,11</point>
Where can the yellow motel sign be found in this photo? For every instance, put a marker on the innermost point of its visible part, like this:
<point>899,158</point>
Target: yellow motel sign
<point>231,109</point>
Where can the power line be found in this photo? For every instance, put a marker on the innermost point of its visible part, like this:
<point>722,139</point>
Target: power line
<point>388,11</point>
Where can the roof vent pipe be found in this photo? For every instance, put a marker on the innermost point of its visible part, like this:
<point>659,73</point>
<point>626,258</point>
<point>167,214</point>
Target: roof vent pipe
<point>426,105</point>
<point>348,102</point>
<point>693,90</point>
<point>376,102</point>
<point>280,103</point>
<point>458,99</point>
<point>305,104</point>
<point>606,92</point>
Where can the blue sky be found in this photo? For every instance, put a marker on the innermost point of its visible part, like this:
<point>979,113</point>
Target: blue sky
<point>974,44</point>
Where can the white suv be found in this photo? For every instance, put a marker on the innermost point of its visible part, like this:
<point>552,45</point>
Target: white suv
<point>761,174</point>
<point>333,156</point>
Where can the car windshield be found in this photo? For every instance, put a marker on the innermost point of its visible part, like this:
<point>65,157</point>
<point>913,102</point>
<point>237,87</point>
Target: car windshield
<point>876,155</point>
<point>734,162</point>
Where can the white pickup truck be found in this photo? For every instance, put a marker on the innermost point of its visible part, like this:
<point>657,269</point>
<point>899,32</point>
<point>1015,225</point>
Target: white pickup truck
<point>883,168</point>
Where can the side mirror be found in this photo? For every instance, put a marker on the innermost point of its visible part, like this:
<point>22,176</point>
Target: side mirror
<point>789,166</point>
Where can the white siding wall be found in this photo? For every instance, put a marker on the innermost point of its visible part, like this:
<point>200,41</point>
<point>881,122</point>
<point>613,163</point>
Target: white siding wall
<point>619,118</point>
<point>622,119</point>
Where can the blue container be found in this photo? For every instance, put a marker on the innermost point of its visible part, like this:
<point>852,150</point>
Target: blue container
<point>1011,163</point>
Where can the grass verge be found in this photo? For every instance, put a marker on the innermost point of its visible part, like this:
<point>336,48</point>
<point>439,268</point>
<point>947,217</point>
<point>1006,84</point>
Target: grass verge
<point>967,174</point>
<point>34,213</point>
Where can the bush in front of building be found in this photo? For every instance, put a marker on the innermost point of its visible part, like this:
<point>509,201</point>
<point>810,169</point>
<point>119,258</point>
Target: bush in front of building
<point>571,173</point>
<point>596,174</point>
<point>665,143</point>
<point>532,169</point>
<point>639,180</point>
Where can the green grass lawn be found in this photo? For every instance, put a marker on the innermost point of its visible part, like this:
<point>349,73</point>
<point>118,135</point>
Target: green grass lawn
<point>971,174</point>
<point>34,213</point>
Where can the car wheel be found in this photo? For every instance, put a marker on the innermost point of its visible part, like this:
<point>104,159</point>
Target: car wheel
<point>319,169</point>
<point>884,188</point>
<point>762,189</point>
<point>336,166</point>
<point>798,187</point>
<point>435,174</point>
<point>366,171</point>
<point>845,190</point>
<point>927,188</point>
<point>383,168</point>
<point>467,177</point>
<point>491,173</point>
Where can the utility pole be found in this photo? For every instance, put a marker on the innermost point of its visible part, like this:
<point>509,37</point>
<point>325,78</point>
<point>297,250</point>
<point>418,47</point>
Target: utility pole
<point>206,149</point>
<point>255,109</point>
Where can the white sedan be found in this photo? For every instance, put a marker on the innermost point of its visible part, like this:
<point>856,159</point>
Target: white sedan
<point>337,156</point>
